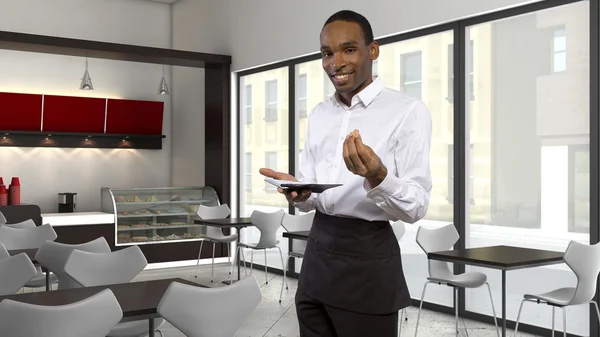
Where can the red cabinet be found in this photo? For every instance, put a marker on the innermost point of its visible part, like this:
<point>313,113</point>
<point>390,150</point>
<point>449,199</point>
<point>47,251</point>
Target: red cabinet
<point>20,112</point>
<point>73,114</point>
<point>134,117</point>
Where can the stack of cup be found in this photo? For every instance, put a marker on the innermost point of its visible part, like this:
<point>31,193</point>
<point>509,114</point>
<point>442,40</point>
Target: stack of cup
<point>14,192</point>
<point>3,195</point>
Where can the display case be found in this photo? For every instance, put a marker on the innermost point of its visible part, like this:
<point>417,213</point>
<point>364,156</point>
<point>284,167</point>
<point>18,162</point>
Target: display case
<point>157,215</point>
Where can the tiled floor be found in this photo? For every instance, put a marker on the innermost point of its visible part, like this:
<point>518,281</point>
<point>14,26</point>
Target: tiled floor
<point>272,318</point>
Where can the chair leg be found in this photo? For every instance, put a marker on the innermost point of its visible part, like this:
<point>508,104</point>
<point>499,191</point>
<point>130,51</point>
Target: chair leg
<point>161,334</point>
<point>244,258</point>
<point>402,313</point>
<point>284,267</point>
<point>199,252</point>
<point>597,310</point>
<point>456,309</point>
<point>251,261</point>
<point>212,270</point>
<point>229,257</point>
<point>519,317</point>
<point>493,309</point>
<point>421,306</point>
<point>266,276</point>
<point>553,318</point>
<point>564,321</point>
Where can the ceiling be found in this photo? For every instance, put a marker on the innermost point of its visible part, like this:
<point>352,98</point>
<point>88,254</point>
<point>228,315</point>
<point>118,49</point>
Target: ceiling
<point>164,1</point>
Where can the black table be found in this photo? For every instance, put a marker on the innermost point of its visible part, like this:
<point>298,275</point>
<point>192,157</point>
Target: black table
<point>138,300</point>
<point>237,223</point>
<point>31,254</point>
<point>503,258</point>
<point>300,235</point>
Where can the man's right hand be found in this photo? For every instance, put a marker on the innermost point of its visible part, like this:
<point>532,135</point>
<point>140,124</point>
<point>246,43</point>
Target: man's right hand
<point>291,196</point>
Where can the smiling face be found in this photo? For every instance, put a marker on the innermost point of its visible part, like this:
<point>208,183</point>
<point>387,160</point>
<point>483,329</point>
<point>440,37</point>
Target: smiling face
<point>347,58</point>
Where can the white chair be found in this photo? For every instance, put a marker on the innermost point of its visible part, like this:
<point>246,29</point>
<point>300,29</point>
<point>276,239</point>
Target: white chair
<point>15,271</point>
<point>54,255</point>
<point>26,238</point>
<point>210,312</point>
<point>120,266</point>
<point>26,235</point>
<point>399,231</point>
<point>295,223</point>
<point>267,224</point>
<point>441,239</point>
<point>90,317</point>
<point>215,234</point>
<point>584,261</point>
<point>29,223</point>
<point>2,219</point>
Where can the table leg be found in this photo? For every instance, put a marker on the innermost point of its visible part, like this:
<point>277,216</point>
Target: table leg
<point>151,327</point>
<point>503,303</point>
<point>238,260</point>
<point>47,280</point>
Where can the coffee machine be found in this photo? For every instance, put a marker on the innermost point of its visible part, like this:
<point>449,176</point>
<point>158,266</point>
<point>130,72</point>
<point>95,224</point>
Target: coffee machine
<point>66,202</point>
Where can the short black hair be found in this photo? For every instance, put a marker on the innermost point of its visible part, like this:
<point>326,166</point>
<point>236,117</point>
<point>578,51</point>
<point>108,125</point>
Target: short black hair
<point>351,16</point>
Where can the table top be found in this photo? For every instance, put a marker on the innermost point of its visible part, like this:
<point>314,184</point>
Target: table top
<point>500,257</point>
<point>300,235</point>
<point>30,253</point>
<point>226,222</point>
<point>135,298</point>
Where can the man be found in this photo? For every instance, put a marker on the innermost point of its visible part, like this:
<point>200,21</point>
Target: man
<point>351,281</point>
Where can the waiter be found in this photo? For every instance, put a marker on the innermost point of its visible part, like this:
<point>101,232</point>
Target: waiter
<point>375,141</point>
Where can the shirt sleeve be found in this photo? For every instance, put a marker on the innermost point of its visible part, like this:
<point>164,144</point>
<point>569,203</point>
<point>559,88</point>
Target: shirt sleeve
<point>306,173</point>
<point>406,195</point>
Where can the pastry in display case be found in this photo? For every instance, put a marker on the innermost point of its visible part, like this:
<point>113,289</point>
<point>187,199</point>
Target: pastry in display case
<point>157,215</point>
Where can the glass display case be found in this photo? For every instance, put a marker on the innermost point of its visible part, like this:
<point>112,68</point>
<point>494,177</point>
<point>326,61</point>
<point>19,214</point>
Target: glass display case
<point>157,215</point>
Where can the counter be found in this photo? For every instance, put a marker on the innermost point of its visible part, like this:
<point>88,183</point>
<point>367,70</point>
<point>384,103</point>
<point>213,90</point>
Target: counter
<point>78,218</point>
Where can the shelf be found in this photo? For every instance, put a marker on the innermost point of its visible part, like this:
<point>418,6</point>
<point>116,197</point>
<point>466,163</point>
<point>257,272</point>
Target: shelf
<point>159,203</point>
<point>121,216</point>
<point>79,140</point>
<point>157,242</point>
<point>155,227</point>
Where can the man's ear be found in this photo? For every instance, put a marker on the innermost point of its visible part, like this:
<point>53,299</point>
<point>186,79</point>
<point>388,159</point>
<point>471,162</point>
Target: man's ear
<point>374,50</point>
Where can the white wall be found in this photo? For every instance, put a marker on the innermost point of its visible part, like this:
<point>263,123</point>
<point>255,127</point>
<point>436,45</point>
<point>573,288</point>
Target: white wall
<point>44,172</point>
<point>265,31</point>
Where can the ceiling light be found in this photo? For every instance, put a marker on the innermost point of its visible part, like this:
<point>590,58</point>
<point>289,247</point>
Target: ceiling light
<point>86,81</point>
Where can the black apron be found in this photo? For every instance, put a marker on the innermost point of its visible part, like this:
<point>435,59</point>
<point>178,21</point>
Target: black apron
<point>355,265</point>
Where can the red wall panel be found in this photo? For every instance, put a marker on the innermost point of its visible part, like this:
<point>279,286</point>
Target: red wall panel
<point>73,114</point>
<point>134,117</point>
<point>20,112</point>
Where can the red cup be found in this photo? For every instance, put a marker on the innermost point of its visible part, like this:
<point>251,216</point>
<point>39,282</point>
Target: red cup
<point>3,195</point>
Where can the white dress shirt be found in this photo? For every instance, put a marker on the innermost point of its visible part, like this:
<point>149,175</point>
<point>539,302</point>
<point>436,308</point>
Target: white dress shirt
<point>398,128</point>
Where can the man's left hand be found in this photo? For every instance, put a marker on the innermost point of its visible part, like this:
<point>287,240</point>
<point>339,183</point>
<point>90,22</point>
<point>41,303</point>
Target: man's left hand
<point>361,160</point>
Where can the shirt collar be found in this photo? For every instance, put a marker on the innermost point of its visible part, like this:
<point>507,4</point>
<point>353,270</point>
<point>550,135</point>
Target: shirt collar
<point>367,95</point>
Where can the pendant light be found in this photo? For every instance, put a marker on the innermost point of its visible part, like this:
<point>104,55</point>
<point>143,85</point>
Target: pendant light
<point>86,81</point>
<point>163,88</point>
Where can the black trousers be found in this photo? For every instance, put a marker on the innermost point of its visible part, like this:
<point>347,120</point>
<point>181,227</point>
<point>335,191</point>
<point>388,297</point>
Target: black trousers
<point>320,320</point>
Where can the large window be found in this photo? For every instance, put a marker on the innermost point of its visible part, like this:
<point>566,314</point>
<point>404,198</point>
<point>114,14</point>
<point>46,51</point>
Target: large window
<point>265,143</point>
<point>411,75</point>
<point>530,130</point>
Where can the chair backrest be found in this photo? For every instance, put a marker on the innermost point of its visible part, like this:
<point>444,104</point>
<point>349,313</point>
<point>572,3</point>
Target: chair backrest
<point>584,260</point>
<point>54,256</point>
<point>399,229</point>
<point>215,212</point>
<point>94,316</point>
<point>2,219</point>
<point>210,312</point>
<point>29,223</point>
<point>95,269</point>
<point>435,240</point>
<point>26,238</point>
<point>15,271</point>
<point>298,223</point>
<point>267,224</point>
